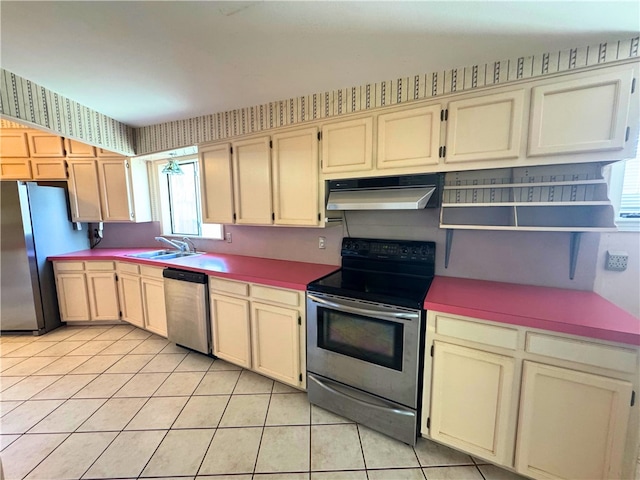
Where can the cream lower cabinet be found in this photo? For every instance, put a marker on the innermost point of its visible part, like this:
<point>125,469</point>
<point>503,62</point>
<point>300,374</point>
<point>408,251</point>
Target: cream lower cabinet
<point>153,301</point>
<point>572,424</point>
<point>141,290</point>
<point>260,328</point>
<point>87,291</point>
<point>545,405</point>
<point>130,292</point>
<point>470,400</point>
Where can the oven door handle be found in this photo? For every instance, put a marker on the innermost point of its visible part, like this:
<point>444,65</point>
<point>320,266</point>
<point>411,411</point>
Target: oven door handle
<point>332,390</point>
<point>389,315</point>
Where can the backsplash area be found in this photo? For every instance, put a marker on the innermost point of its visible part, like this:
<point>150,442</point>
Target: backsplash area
<point>535,258</point>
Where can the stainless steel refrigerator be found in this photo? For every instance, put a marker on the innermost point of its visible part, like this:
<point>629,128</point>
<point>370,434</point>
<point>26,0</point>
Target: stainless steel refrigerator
<point>34,224</point>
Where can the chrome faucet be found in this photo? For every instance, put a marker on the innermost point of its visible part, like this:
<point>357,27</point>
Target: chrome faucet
<point>182,246</point>
<point>192,246</point>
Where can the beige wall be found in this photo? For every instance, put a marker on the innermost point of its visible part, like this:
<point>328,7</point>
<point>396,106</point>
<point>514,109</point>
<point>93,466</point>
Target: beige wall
<point>621,288</point>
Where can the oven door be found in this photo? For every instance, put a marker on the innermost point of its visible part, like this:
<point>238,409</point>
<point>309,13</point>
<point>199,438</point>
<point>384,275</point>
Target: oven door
<point>370,346</point>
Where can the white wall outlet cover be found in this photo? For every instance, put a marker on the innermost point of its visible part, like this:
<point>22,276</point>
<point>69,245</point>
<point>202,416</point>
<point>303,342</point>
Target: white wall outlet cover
<point>322,242</point>
<point>616,261</point>
<point>227,237</point>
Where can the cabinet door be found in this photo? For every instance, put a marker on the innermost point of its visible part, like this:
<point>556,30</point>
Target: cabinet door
<point>295,178</point>
<point>572,424</point>
<point>115,190</point>
<point>230,329</point>
<point>14,143</point>
<point>130,290</point>
<point>73,298</point>
<point>48,169</point>
<point>347,146</point>
<point>75,149</point>
<point>409,138</point>
<point>216,184</point>
<point>470,408</point>
<point>155,315</point>
<point>103,296</point>
<point>252,181</point>
<point>488,127</point>
<point>84,193</point>
<point>583,115</point>
<point>275,342</point>
<point>15,169</point>
<point>45,145</point>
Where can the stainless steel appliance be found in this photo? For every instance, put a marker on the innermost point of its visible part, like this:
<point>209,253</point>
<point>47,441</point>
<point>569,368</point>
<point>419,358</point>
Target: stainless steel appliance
<point>365,334</point>
<point>187,309</point>
<point>34,224</point>
<point>400,192</point>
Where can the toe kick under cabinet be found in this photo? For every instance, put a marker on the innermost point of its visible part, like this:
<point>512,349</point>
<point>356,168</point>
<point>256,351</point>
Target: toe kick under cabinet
<point>260,328</point>
<point>543,404</point>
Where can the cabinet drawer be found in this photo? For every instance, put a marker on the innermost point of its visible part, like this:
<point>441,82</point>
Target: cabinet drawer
<point>153,272</point>
<point>100,266</point>
<point>477,332</point>
<point>129,268</point>
<point>275,295</point>
<point>227,286</point>
<point>69,266</point>
<point>587,353</point>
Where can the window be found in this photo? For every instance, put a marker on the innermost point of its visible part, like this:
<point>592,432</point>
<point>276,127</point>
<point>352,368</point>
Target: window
<point>624,193</point>
<point>178,201</point>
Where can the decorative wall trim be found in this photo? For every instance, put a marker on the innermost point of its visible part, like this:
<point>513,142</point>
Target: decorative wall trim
<point>24,100</point>
<point>218,126</point>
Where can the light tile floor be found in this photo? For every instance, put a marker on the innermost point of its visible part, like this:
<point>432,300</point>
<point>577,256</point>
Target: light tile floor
<point>118,402</point>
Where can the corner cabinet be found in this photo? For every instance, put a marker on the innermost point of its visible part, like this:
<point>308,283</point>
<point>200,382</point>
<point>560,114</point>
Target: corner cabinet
<point>542,404</point>
<point>87,291</point>
<point>109,190</point>
<point>260,328</point>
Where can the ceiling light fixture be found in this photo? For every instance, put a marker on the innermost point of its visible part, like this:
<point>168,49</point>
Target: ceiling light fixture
<point>172,167</point>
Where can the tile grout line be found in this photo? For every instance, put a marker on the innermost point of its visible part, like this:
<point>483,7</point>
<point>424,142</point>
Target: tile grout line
<point>364,459</point>
<point>264,425</point>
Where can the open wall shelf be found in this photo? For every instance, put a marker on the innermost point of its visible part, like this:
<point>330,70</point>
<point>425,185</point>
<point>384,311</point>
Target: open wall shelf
<point>552,198</point>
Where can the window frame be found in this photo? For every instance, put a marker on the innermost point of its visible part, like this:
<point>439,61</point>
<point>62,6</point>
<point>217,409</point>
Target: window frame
<point>162,201</point>
<point>616,174</point>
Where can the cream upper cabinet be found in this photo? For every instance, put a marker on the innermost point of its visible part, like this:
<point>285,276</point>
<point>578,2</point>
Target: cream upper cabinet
<point>75,149</point>
<point>48,169</point>
<point>572,424</point>
<point>231,329</point>
<point>347,146</point>
<point>585,114</point>
<point>276,342</point>
<point>13,143</point>
<point>486,127</point>
<point>84,191</point>
<point>296,178</point>
<point>216,183</point>
<point>470,400</point>
<point>252,181</point>
<point>43,144</point>
<point>409,138</point>
<point>124,190</point>
<point>15,169</point>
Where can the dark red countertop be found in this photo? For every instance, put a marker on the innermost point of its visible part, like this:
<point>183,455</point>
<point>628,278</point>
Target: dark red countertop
<point>561,310</point>
<point>277,273</point>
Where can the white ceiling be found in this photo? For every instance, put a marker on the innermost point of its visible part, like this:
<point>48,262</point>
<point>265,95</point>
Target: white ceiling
<point>149,62</point>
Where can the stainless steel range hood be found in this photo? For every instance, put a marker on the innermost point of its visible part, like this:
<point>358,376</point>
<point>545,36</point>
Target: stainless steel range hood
<point>410,192</point>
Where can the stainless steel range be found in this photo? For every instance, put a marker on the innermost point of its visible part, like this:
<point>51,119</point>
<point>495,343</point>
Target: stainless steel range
<point>365,334</point>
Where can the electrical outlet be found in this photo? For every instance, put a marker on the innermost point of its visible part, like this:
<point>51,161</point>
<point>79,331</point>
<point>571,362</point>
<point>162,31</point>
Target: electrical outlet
<point>322,242</point>
<point>227,237</point>
<point>617,261</point>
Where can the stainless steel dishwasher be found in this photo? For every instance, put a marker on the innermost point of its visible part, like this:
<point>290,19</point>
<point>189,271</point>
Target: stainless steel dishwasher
<point>187,308</point>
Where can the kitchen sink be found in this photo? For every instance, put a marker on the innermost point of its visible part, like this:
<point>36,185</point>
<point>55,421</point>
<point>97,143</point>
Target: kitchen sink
<point>162,254</point>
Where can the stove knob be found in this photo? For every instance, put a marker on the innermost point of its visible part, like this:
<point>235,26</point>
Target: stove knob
<point>356,246</point>
<point>405,250</point>
<point>415,250</point>
<point>347,245</point>
<point>424,251</point>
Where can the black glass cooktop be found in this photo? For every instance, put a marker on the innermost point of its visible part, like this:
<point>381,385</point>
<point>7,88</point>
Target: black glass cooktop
<point>385,271</point>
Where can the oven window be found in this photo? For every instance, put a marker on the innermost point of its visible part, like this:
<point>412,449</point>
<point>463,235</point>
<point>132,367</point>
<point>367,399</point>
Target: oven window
<point>369,339</point>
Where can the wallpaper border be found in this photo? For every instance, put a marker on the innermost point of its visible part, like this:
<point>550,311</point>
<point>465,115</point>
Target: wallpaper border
<point>24,100</point>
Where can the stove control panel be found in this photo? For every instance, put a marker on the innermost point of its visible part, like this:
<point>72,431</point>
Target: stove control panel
<point>397,250</point>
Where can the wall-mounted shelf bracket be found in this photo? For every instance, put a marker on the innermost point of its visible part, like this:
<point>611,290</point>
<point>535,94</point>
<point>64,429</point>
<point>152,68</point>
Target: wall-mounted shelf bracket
<point>574,248</point>
<point>447,247</point>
